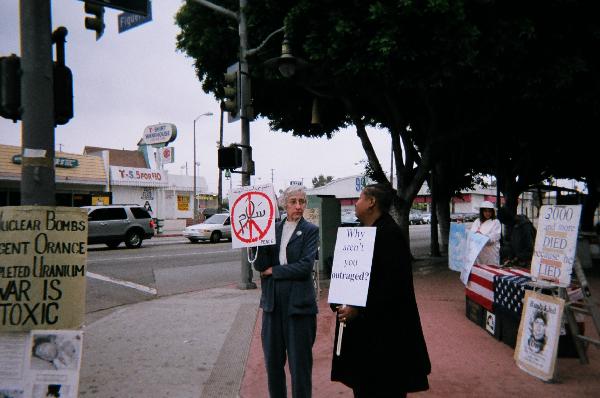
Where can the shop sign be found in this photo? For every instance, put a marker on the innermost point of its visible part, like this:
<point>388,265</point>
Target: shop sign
<point>160,133</point>
<point>58,162</point>
<point>137,176</point>
<point>183,202</point>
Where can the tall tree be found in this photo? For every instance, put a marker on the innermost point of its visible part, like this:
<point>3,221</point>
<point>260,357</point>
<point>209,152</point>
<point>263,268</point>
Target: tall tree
<point>321,180</point>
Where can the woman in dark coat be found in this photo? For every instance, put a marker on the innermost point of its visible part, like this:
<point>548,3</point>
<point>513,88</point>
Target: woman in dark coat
<point>388,330</point>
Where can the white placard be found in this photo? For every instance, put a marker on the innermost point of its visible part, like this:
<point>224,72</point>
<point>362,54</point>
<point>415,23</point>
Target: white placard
<point>475,242</point>
<point>539,331</point>
<point>253,210</point>
<point>352,260</point>
<point>555,244</point>
<point>40,363</point>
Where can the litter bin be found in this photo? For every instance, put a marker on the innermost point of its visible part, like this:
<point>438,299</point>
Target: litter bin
<point>325,212</point>
<point>160,223</point>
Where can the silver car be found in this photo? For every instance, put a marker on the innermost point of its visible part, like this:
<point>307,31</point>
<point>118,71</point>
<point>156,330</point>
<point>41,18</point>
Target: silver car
<point>213,228</point>
<point>113,224</point>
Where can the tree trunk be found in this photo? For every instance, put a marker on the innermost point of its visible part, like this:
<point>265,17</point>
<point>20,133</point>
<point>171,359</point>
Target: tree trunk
<point>590,204</point>
<point>434,248</point>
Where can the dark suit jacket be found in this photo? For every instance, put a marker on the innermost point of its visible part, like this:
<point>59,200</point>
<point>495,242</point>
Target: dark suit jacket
<point>301,253</point>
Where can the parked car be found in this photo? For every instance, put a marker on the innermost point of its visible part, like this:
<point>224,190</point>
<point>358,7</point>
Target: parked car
<point>214,228</point>
<point>113,224</point>
<point>427,218</point>
<point>415,217</point>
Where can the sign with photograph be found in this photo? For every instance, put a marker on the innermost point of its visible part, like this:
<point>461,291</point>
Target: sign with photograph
<point>555,244</point>
<point>351,270</point>
<point>539,331</point>
<point>253,210</point>
<point>42,273</point>
<point>40,363</point>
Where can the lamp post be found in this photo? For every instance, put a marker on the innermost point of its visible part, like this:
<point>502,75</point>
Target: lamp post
<point>195,193</point>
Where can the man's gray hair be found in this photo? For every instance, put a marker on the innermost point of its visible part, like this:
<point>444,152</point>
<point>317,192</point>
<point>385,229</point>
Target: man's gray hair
<point>290,191</point>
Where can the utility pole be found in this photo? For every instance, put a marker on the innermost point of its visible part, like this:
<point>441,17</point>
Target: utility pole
<point>220,190</point>
<point>37,101</point>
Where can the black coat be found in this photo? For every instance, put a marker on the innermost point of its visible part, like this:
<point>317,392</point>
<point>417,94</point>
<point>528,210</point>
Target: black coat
<point>373,340</point>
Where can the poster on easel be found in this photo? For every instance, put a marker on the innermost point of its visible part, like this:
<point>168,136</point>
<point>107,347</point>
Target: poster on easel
<point>555,244</point>
<point>539,331</point>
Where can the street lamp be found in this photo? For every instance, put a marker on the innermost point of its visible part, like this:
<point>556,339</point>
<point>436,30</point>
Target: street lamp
<point>195,163</point>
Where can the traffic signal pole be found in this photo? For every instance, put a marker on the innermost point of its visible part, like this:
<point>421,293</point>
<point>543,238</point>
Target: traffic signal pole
<point>37,101</point>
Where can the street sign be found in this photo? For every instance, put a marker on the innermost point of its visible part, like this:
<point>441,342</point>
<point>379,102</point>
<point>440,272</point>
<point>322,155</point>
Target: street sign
<point>160,133</point>
<point>140,7</point>
<point>129,20</point>
<point>252,216</point>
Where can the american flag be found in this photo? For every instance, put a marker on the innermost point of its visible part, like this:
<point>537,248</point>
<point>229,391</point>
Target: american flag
<point>480,287</point>
<point>509,292</point>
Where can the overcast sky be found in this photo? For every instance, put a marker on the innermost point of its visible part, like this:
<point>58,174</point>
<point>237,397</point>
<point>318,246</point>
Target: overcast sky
<point>125,82</point>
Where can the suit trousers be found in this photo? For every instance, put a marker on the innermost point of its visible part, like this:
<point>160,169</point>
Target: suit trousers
<point>292,334</point>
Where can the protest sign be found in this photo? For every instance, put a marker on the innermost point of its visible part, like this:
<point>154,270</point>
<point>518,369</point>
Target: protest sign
<point>43,253</point>
<point>475,243</point>
<point>253,210</point>
<point>351,270</point>
<point>40,363</point>
<point>457,246</point>
<point>539,331</point>
<point>555,244</point>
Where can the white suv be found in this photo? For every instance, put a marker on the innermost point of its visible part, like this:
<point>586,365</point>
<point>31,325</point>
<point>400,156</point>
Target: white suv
<point>114,224</point>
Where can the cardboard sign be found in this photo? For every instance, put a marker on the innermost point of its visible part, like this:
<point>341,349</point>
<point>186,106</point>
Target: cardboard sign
<point>352,260</point>
<point>253,210</point>
<point>555,244</point>
<point>42,271</point>
<point>539,331</point>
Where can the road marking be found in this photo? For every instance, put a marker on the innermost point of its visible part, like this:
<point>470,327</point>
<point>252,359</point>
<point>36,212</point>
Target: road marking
<point>101,260</point>
<point>131,285</point>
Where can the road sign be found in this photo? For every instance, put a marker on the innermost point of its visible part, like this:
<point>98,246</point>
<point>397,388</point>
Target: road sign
<point>129,20</point>
<point>140,7</point>
<point>252,216</point>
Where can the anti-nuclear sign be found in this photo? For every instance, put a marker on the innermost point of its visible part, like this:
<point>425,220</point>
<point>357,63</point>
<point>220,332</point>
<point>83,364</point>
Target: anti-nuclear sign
<point>555,244</point>
<point>351,270</point>
<point>253,210</point>
<point>43,253</point>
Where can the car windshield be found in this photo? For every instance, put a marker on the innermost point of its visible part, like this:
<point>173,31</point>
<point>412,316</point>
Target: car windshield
<point>216,219</point>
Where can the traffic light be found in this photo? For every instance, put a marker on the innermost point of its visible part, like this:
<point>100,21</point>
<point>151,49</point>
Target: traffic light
<point>63,94</point>
<point>97,22</point>
<point>229,158</point>
<point>10,87</point>
<point>10,90</point>
<point>231,102</point>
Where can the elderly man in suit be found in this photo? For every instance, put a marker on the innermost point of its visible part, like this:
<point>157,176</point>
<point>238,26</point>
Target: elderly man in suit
<point>288,301</point>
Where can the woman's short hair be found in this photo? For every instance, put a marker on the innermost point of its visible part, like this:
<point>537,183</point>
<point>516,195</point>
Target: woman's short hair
<point>291,191</point>
<point>382,193</point>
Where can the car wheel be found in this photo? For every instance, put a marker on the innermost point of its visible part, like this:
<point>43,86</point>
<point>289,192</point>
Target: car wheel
<point>193,240</point>
<point>113,245</point>
<point>133,239</point>
<point>215,237</point>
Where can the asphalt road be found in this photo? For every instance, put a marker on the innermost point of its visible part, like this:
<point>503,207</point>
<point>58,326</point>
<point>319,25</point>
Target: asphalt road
<point>167,266</point>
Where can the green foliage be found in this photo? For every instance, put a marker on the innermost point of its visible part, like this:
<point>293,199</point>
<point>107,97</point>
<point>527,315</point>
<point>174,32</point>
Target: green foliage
<point>321,180</point>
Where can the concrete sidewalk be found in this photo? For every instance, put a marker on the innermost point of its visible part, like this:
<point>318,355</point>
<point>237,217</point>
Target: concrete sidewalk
<point>207,344</point>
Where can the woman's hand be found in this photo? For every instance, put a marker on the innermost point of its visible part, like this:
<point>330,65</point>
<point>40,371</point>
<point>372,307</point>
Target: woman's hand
<point>346,313</point>
<point>266,273</point>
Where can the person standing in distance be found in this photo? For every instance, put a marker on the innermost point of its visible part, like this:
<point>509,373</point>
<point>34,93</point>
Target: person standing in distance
<point>488,225</point>
<point>371,338</point>
<point>288,301</point>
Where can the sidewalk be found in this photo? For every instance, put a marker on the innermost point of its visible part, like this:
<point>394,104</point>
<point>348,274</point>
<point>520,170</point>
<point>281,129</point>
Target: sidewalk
<point>466,360</point>
<point>207,344</point>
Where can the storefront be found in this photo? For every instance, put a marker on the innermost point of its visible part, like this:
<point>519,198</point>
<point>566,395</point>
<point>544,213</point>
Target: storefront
<point>80,179</point>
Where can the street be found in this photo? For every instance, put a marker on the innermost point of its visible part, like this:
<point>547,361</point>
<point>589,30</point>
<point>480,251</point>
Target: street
<point>165,266</point>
